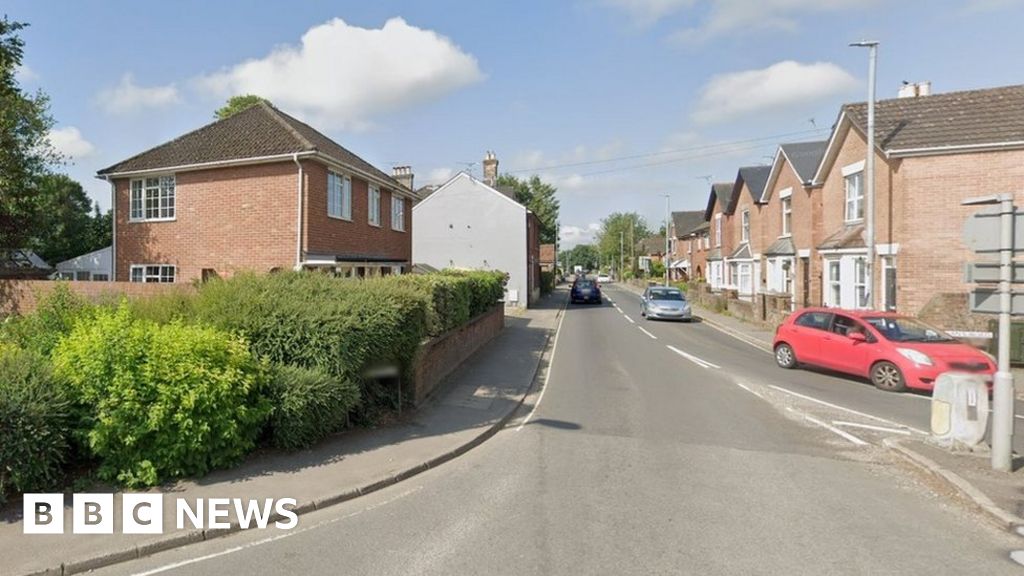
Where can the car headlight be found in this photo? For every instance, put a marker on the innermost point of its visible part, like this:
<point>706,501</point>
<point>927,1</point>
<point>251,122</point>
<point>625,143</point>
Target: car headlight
<point>919,358</point>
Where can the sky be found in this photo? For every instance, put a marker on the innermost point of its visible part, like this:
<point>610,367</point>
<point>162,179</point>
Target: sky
<point>618,103</point>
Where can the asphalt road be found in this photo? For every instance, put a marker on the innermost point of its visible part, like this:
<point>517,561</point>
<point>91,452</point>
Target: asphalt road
<point>639,459</point>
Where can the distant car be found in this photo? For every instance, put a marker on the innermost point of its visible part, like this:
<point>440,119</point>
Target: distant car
<point>665,303</point>
<point>602,278</point>
<point>894,352</point>
<point>585,290</point>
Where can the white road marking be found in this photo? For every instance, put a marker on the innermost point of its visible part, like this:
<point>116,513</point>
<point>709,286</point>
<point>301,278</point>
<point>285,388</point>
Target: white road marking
<point>653,337</point>
<point>694,359</point>
<point>288,534</point>
<point>845,409</point>
<point>749,389</point>
<point>628,318</point>
<point>1017,556</point>
<point>547,375</point>
<point>830,428</point>
<point>870,427</point>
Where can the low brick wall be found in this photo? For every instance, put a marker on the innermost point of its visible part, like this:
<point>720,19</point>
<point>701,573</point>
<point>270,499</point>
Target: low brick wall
<point>439,356</point>
<point>21,296</point>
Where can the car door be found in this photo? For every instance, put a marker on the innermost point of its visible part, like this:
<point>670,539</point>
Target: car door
<point>806,333</point>
<point>841,352</point>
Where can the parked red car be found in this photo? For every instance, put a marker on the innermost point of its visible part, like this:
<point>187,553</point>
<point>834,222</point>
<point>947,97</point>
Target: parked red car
<point>894,352</point>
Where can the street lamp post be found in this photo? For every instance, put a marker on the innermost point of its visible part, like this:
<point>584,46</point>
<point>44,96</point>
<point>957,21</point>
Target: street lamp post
<point>621,254</point>
<point>869,173</point>
<point>668,257</point>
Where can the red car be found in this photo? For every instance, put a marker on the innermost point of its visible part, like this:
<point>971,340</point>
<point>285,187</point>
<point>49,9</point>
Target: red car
<point>894,352</point>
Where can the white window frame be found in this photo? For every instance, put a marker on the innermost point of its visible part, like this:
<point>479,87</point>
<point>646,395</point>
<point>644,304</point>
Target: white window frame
<point>148,275</point>
<point>835,287</point>
<point>161,189</point>
<point>373,205</point>
<point>786,204</point>
<point>854,201</point>
<point>718,230</point>
<point>745,226</point>
<point>888,269</point>
<point>339,196</point>
<point>100,277</point>
<point>397,213</point>
<point>860,282</point>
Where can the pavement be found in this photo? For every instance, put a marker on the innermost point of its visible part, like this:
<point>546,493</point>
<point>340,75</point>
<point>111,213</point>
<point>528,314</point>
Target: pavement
<point>648,448</point>
<point>474,402</point>
<point>1000,496</point>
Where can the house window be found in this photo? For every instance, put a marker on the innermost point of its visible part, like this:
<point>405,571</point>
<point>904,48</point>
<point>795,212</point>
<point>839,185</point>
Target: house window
<point>745,231</point>
<point>745,286</point>
<point>83,275</point>
<point>339,196</point>
<point>718,230</point>
<point>860,282</point>
<point>889,282</point>
<point>707,241</point>
<point>787,214</point>
<point>835,289</point>
<point>787,275</point>
<point>152,273</point>
<point>374,202</point>
<point>101,278</point>
<point>152,199</point>
<point>397,213</point>
<point>854,196</point>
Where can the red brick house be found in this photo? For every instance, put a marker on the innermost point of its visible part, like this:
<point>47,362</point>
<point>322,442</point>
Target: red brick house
<point>719,221</point>
<point>685,243</point>
<point>257,191</point>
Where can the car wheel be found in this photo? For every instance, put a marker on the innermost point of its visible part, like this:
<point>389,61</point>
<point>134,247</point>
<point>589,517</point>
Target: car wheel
<point>784,356</point>
<point>887,376</point>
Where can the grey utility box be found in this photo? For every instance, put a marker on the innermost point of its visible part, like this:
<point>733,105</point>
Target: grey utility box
<point>959,410</point>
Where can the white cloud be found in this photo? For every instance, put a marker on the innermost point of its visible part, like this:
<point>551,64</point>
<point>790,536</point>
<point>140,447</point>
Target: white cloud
<point>646,12</point>
<point>128,97</point>
<point>25,75</point>
<point>69,142</point>
<point>782,85</point>
<point>569,236</point>
<point>342,75</point>
<point>439,175</point>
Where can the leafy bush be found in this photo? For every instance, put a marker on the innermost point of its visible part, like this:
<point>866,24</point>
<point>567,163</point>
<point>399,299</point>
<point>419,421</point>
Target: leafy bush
<point>309,404</point>
<point>164,308</point>
<point>159,401</point>
<point>487,287</point>
<point>33,423</point>
<point>55,316</point>
<point>547,282</point>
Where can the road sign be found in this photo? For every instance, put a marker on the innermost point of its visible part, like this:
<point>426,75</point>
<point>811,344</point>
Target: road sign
<point>981,230</point>
<point>985,272</point>
<point>986,301</point>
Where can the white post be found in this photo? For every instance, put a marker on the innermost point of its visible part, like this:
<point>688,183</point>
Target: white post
<point>869,175</point>
<point>1003,393</point>
<point>667,260</point>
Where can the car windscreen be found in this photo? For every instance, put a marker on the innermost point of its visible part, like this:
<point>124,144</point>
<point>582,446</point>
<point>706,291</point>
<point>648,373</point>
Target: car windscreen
<point>902,329</point>
<point>667,295</point>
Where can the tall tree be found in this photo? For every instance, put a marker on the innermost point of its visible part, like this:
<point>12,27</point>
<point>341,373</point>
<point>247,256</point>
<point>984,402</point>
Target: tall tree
<point>585,255</point>
<point>25,149</point>
<point>620,230</point>
<point>540,198</point>
<point>236,104</point>
<point>69,224</point>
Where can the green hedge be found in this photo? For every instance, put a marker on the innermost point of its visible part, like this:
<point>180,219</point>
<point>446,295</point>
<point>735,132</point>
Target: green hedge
<point>547,282</point>
<point>33,423</point>
<point>55,316</point>
<point>161,401</point>
<point>309,404</point>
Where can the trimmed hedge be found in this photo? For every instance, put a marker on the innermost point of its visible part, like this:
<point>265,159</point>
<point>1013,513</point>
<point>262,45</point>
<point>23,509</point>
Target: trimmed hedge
<point>33,423</point>
<point>161,401</point>
<point>309,404</point>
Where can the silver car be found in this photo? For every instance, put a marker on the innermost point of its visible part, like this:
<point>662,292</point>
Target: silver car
<point>665,303</point>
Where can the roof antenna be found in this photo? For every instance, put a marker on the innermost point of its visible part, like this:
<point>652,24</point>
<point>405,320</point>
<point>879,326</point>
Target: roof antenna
<point>469,166</point>
<point>813,123</point>
<point>705,178</point>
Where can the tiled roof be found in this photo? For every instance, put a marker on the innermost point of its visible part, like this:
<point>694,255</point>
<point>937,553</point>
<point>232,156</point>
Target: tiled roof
<point>755,177</point>
<point>805,157</point>
<point>255,132</point>
<point>971,117</point>
<point>781,247</point>
<point>742,253</point>
<point>652,245</point>
<point>547,253</point>
<point>845,237</point>
<point>720,192</point>
<point>714,254</point>
<point>684,222</point>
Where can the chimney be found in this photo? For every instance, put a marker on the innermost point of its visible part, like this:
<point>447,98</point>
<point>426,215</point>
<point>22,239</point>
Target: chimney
<point>914,89</point>
<point>490,169</point>
<point>404,175</point>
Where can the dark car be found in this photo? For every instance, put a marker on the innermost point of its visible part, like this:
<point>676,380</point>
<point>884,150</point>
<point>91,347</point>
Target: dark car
<point>585,290</point>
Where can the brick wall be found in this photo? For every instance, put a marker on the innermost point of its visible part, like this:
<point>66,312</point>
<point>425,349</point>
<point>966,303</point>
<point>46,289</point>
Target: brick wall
<point>438,357</point>
<point>21,296</point>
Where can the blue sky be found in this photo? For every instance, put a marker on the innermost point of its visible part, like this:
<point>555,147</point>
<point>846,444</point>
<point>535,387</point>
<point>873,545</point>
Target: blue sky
<point>629,100</point>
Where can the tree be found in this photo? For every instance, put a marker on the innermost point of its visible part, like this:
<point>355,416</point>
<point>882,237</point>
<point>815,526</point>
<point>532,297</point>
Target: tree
<point>69,223</point>
<point>585,255</point>
<point>630,227</point>
<point>236,104</point>
<point>540,198</point>
<point>25,150</point>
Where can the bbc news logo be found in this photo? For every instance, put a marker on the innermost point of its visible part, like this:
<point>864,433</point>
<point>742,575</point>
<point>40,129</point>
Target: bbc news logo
<point>144,513</point>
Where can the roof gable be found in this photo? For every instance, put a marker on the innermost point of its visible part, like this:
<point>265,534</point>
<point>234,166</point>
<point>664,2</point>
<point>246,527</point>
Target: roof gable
<point>755,178</point>
<point>721,193</point>
<point>802,158</point>
<point>464,178</point>
<point>685,222</point>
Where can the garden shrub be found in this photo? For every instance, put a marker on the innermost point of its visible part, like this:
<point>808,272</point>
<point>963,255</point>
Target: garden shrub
<point>33,423</point>
<point>547,282</point>
<point>164,308</point>
<point>161,401</point>
<point>309,404</point>
<point>55,316</point>
<point>487,287</point>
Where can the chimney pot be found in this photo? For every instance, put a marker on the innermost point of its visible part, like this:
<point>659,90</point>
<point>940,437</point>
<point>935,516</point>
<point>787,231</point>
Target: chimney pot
<point>404,175</point>
<point>490,168</point>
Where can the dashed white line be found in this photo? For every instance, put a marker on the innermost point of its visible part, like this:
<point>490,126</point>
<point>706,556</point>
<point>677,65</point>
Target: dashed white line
<point>749,389</point>
<point>694,359</point>
<point>628,318</point>
<point>830,428</point>
<point>845,409</point>
<point>903,431</point>
<point>653,337</point>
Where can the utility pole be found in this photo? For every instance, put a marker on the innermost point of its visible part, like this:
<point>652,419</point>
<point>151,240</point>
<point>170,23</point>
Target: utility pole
<point>869,173</point>
<point>621,254</point>
<point>632,246</point>
<point>668,257</point>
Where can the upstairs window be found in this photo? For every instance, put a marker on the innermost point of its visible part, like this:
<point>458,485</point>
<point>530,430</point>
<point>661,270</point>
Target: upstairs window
<point>745,230</point>
<point>397,213</point>
<point>152,199</point>
<point>854,196</point>
<point>718,230</point>
<point>339,196</point>
<point>373,195</point>
<point>786,201</point>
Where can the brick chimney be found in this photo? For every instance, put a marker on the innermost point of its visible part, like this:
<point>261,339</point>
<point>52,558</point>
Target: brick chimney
<point>490,169</point>
<point>404,175</point>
